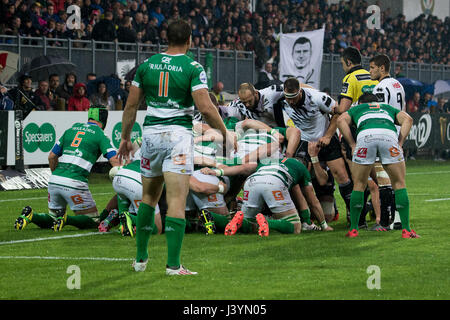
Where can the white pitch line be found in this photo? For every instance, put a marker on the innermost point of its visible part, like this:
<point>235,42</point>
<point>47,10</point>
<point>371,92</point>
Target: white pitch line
<point>426,172</point>
<point>442,199</point>
<point>67,258</point>
<point>53,238</point>
<point>38,198</point>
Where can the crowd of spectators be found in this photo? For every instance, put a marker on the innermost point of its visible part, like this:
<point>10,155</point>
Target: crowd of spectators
<point>232,25</point>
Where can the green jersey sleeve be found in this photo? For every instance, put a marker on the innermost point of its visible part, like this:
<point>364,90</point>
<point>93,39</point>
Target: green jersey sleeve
<point>199,80</point>
<point>106,147</point>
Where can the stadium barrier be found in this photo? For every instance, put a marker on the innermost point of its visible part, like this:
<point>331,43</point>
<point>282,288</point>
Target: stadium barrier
<point>229,66</point>
<point>25,144</point>
<point>429,131</point>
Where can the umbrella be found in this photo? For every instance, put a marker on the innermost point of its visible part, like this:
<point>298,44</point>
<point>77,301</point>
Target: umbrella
<point>112,85</point>
<point>412,85</point>
<point>9,61</point>
<point>40,68</point>
<point>441,86</point>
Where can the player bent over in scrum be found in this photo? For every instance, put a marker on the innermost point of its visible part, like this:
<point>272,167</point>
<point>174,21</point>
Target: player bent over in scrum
<point>71,161</point>
<point>376,133</point>
<point>270,181</point>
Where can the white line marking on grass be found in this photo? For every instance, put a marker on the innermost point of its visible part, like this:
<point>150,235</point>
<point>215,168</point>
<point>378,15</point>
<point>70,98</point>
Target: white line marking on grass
<point>442,199</point>
<point>426,172</point>
<point>38,198</point>
<point>54,238</point>
<point>67,258</point>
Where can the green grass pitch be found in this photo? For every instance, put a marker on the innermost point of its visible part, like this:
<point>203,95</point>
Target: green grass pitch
<point>36,263</point>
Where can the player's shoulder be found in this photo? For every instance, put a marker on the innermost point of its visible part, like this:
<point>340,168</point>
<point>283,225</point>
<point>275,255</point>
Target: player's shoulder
<point>389,82</point>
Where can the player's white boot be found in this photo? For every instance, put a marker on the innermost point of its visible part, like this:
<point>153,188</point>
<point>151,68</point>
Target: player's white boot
<point>140,266</point>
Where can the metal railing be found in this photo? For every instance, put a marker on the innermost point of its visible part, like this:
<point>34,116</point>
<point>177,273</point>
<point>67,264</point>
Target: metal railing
<point>232,67</point>
<point>229,66</point>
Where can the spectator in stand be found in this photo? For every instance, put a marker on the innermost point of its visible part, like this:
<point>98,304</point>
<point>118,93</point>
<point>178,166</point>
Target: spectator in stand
<point>53,84</point>
<point>398,71</point>
<point>423,104</point>
<point>23,96</point>
<point>125,33</point>
<point>90,77</point>
<point>45,95</point>
<point>265,76</point>
<point>446,107</point>
<point>156,13</point>
<point>78,100</point>
<point>217,92</point>
<point>413,105</point>
<point>105,29</point>
<point>151,32</point>
<point>65,90</point>
<point>102,97</point>
<point>439,108</point>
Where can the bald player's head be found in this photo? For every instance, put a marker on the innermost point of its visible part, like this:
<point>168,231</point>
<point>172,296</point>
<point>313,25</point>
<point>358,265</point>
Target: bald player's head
<point>248,95</point>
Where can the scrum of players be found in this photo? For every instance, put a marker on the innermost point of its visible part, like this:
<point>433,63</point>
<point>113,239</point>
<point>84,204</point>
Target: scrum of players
<point>288,161</point>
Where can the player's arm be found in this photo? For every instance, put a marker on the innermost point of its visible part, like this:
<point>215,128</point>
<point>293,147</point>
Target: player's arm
<point>54,154</point>
<point>262,152</point>
<point>406,122</point>
<point>243,169</point>
<point>211,115</point>
<point>209,136</point>
<point>259,125</point>
<point>293,137</point>
<point>343,124</point>
<point>205,162</point>
<point>128,119</point>
<point>321,174</point>
<point>206,188</point>
<point>346,96</point>
<point>52,161</point>
<point>327,105</point>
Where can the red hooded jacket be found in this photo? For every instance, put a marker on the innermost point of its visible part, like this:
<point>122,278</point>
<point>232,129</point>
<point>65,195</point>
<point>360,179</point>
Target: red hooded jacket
<point>78,102</point>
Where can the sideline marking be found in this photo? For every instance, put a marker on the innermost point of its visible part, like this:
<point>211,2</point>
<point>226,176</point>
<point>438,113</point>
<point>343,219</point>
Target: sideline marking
<point>37,198</point>
<point>67,258</point>
<point>429,172</point>
<point>442,199</point>
<point>53,238</point>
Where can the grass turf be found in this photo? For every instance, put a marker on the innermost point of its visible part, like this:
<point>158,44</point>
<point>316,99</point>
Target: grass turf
<point>312,265</point>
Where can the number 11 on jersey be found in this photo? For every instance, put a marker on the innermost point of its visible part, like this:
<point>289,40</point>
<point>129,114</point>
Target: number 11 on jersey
<point>163,84</point>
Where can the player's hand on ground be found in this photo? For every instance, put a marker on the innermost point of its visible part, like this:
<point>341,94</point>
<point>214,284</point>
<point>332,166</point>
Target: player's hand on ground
<point>125,148</point>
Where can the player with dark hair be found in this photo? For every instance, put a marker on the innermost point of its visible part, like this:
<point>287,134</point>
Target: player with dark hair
<point>171,83</point>
<point>310,110</point>
<point>71,161</point>
<point>389,91</point>
<point>377,135</point>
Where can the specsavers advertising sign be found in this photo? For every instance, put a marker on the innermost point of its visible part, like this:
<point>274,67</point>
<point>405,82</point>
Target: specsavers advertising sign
<point>42,129</point>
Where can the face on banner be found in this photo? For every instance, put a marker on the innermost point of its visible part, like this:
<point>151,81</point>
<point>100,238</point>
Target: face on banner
<point>301,56</point>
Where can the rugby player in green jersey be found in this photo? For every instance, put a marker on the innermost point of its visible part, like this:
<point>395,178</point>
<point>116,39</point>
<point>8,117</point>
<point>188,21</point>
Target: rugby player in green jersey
<point>171,83</point>
<point>71,161</point>
<point>377,134</point>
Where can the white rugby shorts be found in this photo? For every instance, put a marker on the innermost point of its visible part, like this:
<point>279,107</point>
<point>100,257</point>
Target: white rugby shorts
<point>169,151</point>
<point>64,191</point>
<point>268,189</point>
<point>372,143</point>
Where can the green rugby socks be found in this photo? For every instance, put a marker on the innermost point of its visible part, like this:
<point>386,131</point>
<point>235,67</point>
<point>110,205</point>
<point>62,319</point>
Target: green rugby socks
<point>174,230</point>
<point>356,205</point>
<point>144,228</point>
<point>402,206</point>
<point>43,220</point>
<point>81,222</point>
